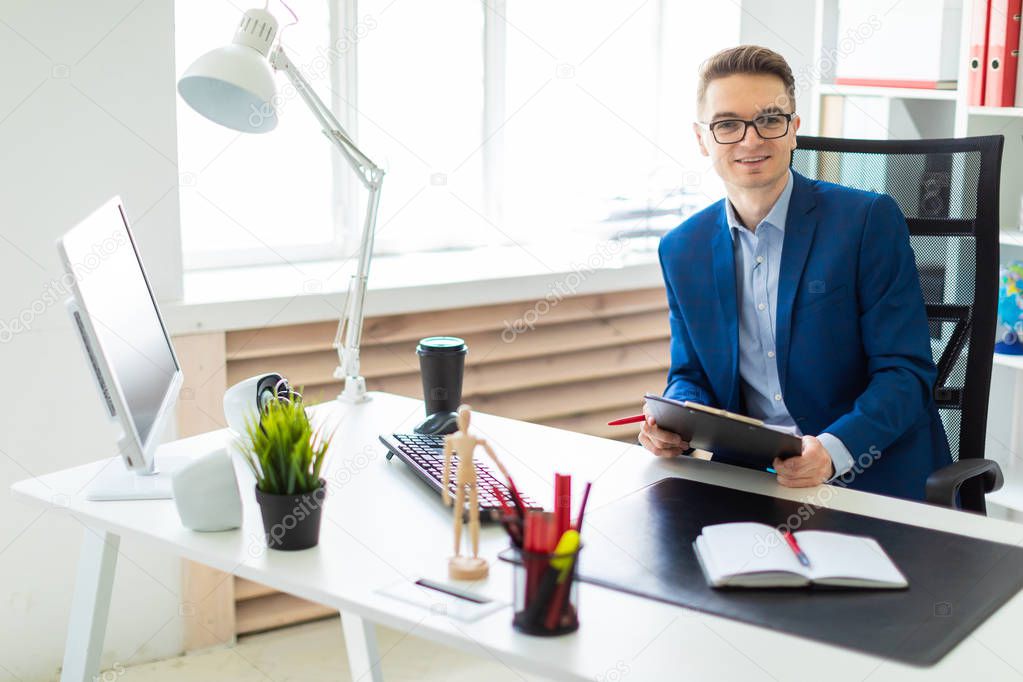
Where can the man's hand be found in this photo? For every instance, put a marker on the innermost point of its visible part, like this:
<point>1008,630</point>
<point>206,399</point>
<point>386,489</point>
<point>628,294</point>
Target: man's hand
<point>812,467</point>
<point>658,441</point>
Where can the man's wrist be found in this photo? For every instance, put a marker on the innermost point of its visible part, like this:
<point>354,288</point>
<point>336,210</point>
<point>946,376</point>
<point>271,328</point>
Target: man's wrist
<point>841,458</point>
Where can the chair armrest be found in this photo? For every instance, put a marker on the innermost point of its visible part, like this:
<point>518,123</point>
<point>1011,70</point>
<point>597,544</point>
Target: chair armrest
<point>943,484</point>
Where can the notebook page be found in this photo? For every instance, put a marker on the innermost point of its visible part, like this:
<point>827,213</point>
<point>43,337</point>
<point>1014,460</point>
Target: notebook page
<point>833,555</point>
<point>749,548</point>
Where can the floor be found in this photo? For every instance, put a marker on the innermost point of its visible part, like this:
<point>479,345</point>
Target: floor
<point>315,651</point>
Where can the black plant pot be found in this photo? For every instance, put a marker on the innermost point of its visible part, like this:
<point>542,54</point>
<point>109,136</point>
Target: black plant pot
<point>292,522</point>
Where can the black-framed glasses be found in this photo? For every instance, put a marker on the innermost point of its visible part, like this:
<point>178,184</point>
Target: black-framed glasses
<point>732,130</point>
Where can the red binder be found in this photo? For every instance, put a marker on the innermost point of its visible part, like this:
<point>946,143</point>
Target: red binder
<point>1002,53</point>
<point>978,53</point>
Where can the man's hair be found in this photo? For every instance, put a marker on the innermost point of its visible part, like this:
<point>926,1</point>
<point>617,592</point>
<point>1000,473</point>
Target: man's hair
<point>746,59</point>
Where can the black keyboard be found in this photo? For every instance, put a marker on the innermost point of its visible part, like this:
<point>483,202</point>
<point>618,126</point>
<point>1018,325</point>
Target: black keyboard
<point>425,454</point>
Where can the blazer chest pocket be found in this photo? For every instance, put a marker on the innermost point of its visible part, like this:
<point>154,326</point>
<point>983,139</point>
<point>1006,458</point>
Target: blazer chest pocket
<point>811,303</point>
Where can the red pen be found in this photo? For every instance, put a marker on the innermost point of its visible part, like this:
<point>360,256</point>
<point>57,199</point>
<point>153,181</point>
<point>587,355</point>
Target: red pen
<point>800,554</point>
<point>582,507</point>
<point>562,502</point>
<point>500,498</point>
<point>627,420</point>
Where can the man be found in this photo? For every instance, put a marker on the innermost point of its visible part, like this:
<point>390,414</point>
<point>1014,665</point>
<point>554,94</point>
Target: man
<point>797,301</point>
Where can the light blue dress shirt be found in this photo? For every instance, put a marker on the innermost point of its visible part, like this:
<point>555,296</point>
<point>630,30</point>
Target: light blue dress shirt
<point>757,261</point>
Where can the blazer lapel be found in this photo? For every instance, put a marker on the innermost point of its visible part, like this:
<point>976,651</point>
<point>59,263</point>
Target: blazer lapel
<point>800,225</point>
<point>724,279</point>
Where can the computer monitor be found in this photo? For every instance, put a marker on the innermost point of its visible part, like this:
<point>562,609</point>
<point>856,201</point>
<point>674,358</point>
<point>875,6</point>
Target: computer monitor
<point>116,315</point>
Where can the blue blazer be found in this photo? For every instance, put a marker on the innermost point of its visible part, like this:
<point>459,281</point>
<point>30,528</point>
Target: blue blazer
<point>853,344</point>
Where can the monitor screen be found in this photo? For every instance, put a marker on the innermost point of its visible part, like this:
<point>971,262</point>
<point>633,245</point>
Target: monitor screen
<point>115,294</point>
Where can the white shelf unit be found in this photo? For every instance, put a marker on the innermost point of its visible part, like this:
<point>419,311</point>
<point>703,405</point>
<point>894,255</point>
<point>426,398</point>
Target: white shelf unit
<point>909,113</point>
<point>1011,237</point>
<point>898,93</point>
<point>998,112</point>
<point>801,33</point>
<point>1011,361</point>
<point>904,113</point>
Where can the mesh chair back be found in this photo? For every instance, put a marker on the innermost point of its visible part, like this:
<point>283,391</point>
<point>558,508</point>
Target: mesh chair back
<point>948,191</point>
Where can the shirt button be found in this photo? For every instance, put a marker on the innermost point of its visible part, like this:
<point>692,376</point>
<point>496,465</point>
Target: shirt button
<point>777,396</point>
<point>760,259</point>
<point>770,353</point>
<point>760,306</point>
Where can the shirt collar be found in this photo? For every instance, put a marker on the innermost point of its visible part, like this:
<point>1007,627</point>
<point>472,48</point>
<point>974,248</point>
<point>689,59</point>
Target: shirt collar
<point>776,216</point>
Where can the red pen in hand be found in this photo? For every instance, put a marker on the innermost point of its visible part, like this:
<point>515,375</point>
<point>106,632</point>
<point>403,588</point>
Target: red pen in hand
<point>627,420</point>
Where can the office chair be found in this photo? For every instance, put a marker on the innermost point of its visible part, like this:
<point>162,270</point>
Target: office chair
<point>948,190</point>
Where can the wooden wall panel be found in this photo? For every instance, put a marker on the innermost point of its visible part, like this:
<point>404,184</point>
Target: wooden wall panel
<point>597,353</point>
<point>578,363</point>
<point>207,594</point>
<point>414,326</point>
<point>314,367</point>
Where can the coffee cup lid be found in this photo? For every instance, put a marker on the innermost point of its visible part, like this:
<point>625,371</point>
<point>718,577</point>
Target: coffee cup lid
<point>441,344</point>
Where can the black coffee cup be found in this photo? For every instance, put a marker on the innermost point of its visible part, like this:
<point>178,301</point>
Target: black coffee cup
<point>442,365</point>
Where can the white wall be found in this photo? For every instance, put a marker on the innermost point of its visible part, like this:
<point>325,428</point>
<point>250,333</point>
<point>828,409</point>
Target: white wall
<point>86,112</point>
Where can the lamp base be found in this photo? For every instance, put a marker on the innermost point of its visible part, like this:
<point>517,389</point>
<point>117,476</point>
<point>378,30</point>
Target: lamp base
<point>354,391</point>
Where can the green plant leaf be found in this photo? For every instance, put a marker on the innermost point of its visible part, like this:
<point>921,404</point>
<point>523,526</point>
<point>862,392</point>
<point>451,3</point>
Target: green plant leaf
<point>282,450</point>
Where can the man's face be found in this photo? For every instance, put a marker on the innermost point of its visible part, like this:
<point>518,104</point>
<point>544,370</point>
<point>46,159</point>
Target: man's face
<point>753,162</point>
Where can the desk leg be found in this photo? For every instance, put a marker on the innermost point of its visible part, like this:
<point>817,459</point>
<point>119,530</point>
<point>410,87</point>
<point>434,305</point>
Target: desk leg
<point>361,645</point>
<point>90,606</point>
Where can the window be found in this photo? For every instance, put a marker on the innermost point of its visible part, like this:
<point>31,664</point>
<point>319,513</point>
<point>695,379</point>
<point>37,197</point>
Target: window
<point>600,105</point>
<point>498,122</point>
<point>420,101</point>
<point>254,198</point>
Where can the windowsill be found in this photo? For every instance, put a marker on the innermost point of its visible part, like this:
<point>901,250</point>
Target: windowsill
<point>272,295</point>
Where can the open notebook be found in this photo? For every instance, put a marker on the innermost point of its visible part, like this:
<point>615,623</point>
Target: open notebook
<point>756,555</point>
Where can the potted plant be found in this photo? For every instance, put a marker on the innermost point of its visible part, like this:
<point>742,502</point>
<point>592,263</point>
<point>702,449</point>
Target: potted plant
<point>285,455</point>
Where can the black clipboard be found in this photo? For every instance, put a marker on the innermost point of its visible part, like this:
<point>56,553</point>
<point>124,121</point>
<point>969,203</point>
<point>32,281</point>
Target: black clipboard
<point>733,437</point>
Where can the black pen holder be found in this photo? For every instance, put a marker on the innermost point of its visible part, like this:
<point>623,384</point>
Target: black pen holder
<point>546,597</point>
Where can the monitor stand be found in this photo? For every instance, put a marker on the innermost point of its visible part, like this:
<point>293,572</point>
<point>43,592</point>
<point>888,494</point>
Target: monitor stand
<point>116,482</point>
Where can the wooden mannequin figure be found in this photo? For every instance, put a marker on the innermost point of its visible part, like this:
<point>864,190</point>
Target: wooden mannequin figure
<point>463,444</point>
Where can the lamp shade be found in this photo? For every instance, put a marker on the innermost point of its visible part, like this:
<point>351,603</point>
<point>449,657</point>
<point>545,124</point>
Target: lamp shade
<point>234,85</point>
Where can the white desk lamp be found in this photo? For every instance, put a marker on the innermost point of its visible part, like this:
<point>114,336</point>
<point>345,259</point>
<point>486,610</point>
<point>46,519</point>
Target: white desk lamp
<point>234,86</point>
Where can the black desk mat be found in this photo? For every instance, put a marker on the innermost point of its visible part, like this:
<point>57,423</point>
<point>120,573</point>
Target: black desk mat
<point>642,544</point>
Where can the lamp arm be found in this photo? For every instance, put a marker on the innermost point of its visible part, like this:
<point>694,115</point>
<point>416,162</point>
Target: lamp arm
<point>367,170</point>
<point>348,337</point>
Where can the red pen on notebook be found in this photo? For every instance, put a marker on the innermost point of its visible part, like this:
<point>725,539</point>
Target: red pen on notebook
<point>627,420</point>
<point>800,554</point>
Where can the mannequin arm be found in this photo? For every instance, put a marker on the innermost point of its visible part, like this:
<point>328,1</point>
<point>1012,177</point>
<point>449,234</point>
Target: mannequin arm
<point>493,456</point>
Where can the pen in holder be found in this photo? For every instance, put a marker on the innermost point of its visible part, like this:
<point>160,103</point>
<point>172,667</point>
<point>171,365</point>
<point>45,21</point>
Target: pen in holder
<point>546,596</point>
<point>512,524</point>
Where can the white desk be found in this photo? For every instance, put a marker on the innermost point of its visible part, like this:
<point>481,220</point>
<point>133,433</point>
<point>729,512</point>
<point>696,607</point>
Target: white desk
<point>382,525</point>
